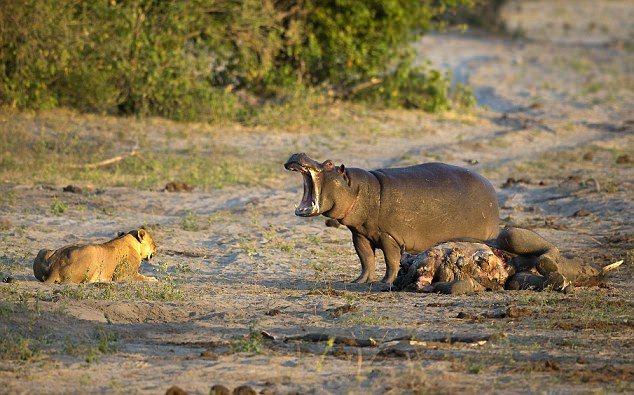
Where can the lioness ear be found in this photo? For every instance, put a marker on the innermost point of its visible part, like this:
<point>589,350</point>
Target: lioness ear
<point>328,165</point>
<point>141,234</point>
<point>119,234</point>
<point>136,234</point>
<point>342,169</point>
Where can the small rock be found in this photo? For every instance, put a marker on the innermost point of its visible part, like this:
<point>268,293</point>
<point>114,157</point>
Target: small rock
<point>588,156</point>
<point>5,224</point>
<point>512,181</point>
<point>175,390</point>
<point>244,390</point>
<point>466,316</point>
<point>551,365</point>
<point>178,186</point>
<point>517,312</point>
<point>73,189</point>
<point>581,360</point>
<point>341,310</point>
<point>623,160</point>
<point>8,279</point>
<point>273,312</point>
<point>209,355</point>
<point>581,213</point>
<point>472,162</point>
<point>219,389</point>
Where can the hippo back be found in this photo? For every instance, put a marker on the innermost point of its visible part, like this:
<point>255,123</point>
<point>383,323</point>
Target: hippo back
<point>426,204</point>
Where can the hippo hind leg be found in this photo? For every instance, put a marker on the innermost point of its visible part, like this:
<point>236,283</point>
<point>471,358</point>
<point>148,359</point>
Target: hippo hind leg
<point>524,242</point>
<point>536,252</point>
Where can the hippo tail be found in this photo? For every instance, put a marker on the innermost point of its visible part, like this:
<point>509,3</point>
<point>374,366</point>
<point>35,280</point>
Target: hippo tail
<point>42,265</point>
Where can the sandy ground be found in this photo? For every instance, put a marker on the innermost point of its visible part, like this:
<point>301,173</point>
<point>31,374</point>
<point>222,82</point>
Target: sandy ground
<point>557,114</point>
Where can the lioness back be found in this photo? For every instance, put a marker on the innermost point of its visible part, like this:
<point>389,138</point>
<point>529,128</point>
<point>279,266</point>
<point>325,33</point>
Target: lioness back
<point>116,260</point>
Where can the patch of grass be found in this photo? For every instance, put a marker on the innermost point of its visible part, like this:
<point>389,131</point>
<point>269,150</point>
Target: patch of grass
<point>104,342</point>
<point>58,207</point>
<point>164,290</point>
<point>249,247</point>
<point>252,343</point>
<point>72,140</point>
<point>366,319</point>
<point>18,348</point>
<point>190,222</point>
<point>7,198</point>
<point>474,368</point>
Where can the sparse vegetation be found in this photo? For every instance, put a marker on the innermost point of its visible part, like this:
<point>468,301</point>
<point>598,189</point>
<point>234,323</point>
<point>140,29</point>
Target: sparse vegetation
<point>15,347</point>
<point>166,290</point>
<point>58,207</point>
<point>103,343</point>
<point>249,343</point>
<point>190,222</point>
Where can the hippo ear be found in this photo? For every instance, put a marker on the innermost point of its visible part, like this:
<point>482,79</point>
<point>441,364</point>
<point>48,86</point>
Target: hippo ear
<point>342,170</point>
<point>328,165</point>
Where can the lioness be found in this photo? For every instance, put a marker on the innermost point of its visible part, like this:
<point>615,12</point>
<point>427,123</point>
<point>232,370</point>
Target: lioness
<point>116,260</point>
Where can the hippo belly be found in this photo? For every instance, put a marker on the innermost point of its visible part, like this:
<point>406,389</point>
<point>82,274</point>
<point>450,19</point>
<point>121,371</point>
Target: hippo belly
<point>421,206</point>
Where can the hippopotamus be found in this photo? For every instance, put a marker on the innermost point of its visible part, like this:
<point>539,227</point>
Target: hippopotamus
<point>411,209</point>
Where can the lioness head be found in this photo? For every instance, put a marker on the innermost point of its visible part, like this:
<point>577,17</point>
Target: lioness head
<point>148,247</point>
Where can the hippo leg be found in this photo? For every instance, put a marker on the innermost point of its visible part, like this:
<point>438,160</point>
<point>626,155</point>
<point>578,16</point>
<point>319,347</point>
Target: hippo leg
<point>365,251</point>
<point>525,242</point>
<point>392,254</point>
<point>536,252</point>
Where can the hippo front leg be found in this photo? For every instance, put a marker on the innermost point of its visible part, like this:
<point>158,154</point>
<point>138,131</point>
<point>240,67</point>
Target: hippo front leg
<point>365,251</point>
<point>392,254</point>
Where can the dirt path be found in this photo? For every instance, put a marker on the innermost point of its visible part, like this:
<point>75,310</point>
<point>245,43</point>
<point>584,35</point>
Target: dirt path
<point>235,261</point>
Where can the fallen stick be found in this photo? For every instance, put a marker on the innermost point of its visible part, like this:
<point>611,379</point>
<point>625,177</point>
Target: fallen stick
<point>323,337</point>
<point>450,339</point>
<point>106,162</point>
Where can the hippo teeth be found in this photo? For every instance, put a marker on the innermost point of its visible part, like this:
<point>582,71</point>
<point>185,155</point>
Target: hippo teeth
<point>308,205</point>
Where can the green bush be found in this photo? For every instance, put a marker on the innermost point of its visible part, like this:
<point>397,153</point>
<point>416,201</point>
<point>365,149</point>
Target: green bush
<point>209,59</point>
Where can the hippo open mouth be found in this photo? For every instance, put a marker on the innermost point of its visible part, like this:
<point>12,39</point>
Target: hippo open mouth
<point>310,169</point>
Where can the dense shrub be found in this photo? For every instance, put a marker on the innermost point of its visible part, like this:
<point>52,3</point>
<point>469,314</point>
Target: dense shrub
<point>207,59</point>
